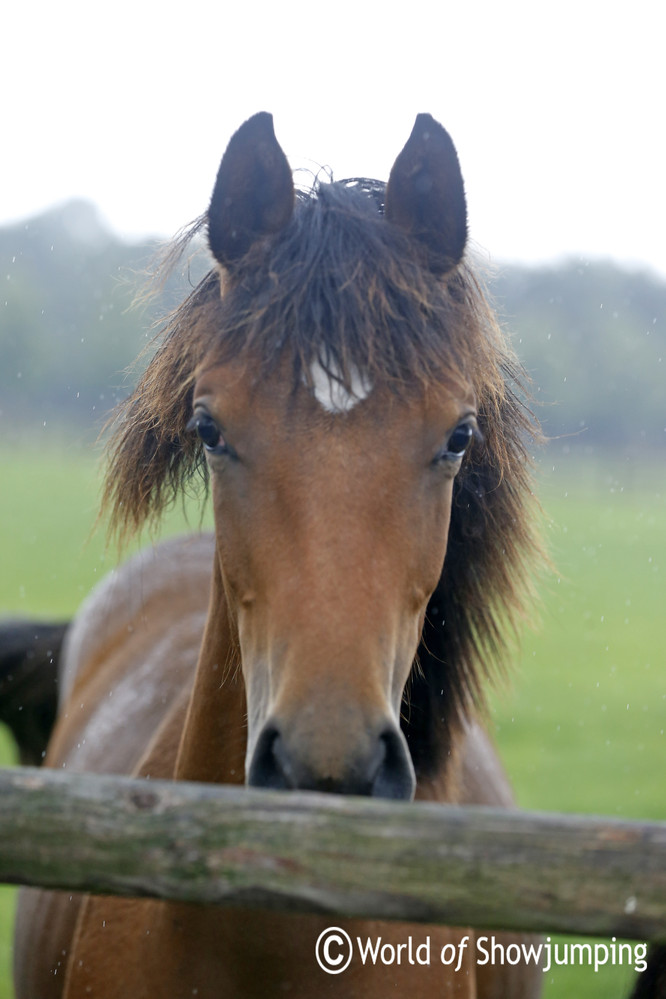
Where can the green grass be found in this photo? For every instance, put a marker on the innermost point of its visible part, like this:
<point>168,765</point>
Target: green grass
<point>590,698</point>
<point>581,727</point>
<point>7,895</point>
<point>51,553</point>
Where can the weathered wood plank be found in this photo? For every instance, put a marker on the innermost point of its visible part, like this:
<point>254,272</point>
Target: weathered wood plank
<point>344,856</point>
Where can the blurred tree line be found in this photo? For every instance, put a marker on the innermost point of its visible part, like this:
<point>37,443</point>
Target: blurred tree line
<point>591,335</point>
<point>70,325</point>
<point>593,338</point>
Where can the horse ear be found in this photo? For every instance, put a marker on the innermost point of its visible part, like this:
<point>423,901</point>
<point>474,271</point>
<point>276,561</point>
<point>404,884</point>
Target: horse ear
<point>425,194</point>
<point>254,191</point>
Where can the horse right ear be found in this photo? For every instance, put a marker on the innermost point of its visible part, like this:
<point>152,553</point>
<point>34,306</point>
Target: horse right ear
<point>425,195</point>
<point>254,191</point>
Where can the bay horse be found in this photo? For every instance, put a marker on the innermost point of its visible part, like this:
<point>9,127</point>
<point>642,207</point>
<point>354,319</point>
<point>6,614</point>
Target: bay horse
<point>341,380</point>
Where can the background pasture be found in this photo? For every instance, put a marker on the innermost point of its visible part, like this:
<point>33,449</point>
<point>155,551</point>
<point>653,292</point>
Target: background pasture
<point>580,723</point>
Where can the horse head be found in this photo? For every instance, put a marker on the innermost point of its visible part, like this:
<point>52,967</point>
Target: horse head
<point>342,380</point>
<point>332,488</point>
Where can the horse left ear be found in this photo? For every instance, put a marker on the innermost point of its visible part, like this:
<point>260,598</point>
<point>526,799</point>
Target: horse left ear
<point>425,194</point>
<point>254,191</point>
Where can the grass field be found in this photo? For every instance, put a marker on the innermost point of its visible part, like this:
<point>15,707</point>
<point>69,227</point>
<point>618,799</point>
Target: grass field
<point>581,726</point>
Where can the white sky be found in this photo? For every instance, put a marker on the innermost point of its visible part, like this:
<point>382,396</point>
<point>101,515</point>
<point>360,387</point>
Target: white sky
<point>557,109</point>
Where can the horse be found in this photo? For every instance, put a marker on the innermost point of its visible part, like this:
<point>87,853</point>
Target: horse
<point>29,656</point>
<point>340,381</point>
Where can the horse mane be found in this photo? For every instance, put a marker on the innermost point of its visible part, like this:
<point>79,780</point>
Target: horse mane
<point>341,286</point>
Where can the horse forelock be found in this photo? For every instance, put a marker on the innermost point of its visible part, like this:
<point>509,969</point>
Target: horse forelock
<point>343,290</point>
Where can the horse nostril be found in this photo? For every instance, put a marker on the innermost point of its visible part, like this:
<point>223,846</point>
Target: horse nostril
<point>268,768</point>
<point>394,778</point>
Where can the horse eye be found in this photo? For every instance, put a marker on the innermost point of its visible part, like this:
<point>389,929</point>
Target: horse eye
<point>208,431</point>
<point>460,440</point>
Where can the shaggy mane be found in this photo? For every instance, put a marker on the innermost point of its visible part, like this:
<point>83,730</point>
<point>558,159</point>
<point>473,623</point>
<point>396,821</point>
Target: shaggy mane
<point>341,286</point>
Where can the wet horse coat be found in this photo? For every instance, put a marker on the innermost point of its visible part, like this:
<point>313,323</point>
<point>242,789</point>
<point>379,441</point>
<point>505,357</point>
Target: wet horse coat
<point>350,392</point>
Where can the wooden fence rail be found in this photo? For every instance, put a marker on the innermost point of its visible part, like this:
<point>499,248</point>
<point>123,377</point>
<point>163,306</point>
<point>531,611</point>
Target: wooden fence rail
<point>420,862</point>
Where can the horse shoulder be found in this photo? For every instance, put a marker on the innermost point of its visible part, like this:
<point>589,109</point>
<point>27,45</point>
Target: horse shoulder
<point>144,587</point>
<point>131,654</point>
<point>128,670</point>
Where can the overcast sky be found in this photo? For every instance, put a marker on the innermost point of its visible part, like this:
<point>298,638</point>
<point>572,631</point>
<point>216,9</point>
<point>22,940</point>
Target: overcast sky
<point>557,110</point>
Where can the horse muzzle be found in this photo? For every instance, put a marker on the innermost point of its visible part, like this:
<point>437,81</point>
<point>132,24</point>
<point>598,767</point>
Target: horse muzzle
<point>379,767</point>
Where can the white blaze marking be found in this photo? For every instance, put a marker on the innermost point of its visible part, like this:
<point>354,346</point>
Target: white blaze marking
<point>332,394</point>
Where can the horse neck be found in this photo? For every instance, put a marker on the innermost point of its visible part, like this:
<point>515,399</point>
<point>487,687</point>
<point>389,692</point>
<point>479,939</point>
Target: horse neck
<point>213,743</point>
